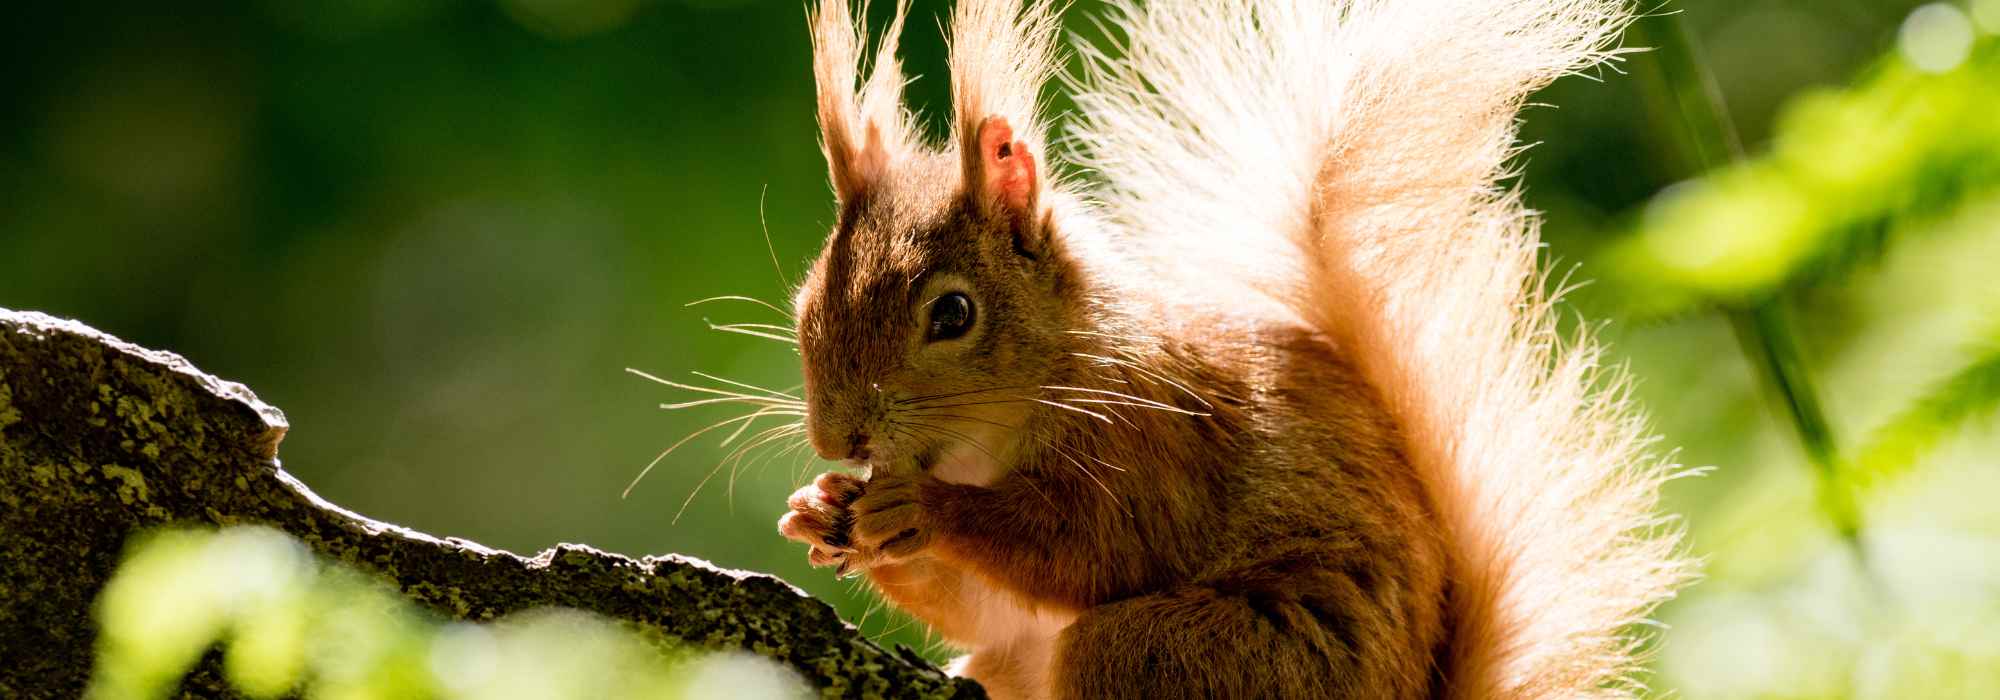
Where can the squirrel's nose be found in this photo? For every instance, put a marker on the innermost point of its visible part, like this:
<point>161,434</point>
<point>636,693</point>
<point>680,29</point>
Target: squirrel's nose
<point>833,443</point>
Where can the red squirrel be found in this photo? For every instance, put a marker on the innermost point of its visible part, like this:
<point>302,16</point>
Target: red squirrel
<point>1267,403</point>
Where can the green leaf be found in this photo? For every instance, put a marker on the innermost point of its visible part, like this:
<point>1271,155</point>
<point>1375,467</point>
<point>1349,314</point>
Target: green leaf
<point>1900,444</point>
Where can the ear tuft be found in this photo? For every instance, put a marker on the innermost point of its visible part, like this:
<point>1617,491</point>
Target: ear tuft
<point>1002,52</point>
<point>863,128</point>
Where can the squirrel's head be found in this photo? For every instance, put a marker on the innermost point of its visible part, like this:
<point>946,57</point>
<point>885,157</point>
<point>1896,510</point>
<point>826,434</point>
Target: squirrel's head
<point>942,300</point>
<point>937,308</point>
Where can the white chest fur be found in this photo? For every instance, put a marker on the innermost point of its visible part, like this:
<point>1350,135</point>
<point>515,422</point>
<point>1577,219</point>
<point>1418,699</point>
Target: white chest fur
<point>1013,645</point>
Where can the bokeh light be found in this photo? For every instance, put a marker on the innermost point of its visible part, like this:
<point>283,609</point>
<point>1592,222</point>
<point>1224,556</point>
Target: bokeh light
<point>1935,38</point>
<point>290,626</point>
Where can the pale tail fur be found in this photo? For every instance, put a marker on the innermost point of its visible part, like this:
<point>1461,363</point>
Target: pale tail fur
<point>1345,157</point>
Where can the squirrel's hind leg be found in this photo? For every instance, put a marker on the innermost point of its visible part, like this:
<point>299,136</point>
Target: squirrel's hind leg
<point>1289,640</point>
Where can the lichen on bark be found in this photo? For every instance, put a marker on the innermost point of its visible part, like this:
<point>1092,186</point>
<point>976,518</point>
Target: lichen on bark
<point>101,439</point>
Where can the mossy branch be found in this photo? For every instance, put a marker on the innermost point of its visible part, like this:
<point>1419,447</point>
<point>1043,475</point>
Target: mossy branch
<point>100,439</point>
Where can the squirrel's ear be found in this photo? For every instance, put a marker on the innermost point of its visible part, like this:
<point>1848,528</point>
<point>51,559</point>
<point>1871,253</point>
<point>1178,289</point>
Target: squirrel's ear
<point>1002,52</point>
<point>863,129</point>
<point>1001,173</point>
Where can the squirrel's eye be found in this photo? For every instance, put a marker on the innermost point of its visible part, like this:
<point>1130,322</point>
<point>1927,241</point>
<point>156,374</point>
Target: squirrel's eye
<point>951,316</point>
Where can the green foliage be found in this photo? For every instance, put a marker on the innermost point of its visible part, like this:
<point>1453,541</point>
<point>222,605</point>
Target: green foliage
<point>1881,606</point>
<point>1845,165</point>
<point>1960,400</point>
<point>289,624</point>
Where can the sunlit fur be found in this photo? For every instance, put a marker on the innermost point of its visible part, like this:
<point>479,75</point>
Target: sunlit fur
<point>1273,406</point>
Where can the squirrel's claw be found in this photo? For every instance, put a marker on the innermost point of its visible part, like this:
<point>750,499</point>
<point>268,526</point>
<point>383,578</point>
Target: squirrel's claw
<point>820,517</point>
<point>889,521</point>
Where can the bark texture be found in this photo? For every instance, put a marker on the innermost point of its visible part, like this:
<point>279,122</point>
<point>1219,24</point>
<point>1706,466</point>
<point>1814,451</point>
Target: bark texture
<point>100,439</point>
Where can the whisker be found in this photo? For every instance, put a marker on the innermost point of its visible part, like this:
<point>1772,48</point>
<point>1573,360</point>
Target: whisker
<point>907,619</point>
<point>1115,336</point>
<point>1066,407</point>
<point>701,389</point>
<point>765,224</point>
<point>777,448</point>
<point>1032,486</point>
<point>1100,460</point>
<point>1156,376</point>
<point>1019,399</point>
<point>955,436</point>
<point>737,297</point>
<point>753,400</point>
<point>961,437</point>
<point>1064,453</point>
<point>738,329</point>
<point>932,642</point>
<point>974,419</point>
<point>697,489</point>
<point>751,387</point>
<point>799,478</point>
<point>751,417</point>
<point>1084,411</point>
<point>873,606</point>
<point>933,397</point>
<point>735,457</point>
<point>1156,407</point>
<point>1114,413</point>
<point>785,448</point>
<point>746,425</point>
<point>910,430</point>
<point>1140,401</point>
<point>704,482</point>
<point>787,331</point>
<point>907,431</point>
<point>766,437</point>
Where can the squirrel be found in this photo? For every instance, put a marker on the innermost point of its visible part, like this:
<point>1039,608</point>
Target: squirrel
<point>1269,402</point>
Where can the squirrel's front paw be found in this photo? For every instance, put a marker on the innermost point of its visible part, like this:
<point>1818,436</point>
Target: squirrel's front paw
<point>820,517</point>
<point>890,523</point>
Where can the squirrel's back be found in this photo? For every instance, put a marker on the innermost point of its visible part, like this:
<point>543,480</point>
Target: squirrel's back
<point>1344,158</point>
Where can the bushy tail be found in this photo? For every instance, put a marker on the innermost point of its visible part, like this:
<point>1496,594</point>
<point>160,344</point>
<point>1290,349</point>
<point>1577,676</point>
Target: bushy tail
<point>1360,143</point>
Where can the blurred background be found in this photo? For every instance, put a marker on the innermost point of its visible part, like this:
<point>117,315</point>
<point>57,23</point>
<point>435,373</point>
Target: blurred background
<point>436,232</point>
